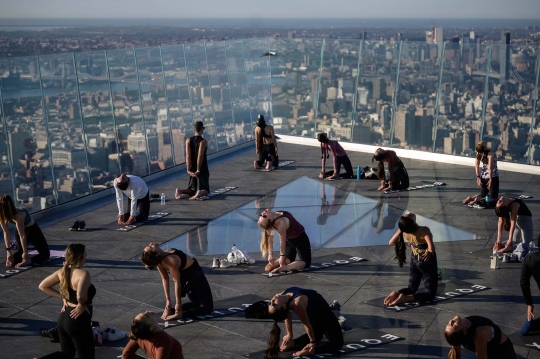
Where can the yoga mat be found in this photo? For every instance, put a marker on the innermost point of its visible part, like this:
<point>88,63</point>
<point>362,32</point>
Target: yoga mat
<point>522,196</point>
<point>216,193</point>
<point>452,289</point>
<point>222,308</point>
<point>419,186</point>
<point>281,164</point>
<point>317,263</point>
<point>527,341</point>
<point>151,218</point>
<point>54,253</point>
<point>354,340</point>
<point>6,272</point>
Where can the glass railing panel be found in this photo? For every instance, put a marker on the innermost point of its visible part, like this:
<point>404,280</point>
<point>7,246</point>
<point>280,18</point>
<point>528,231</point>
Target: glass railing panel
<point>376,81</point>
<point>509,101</point>
<point>63,113</point>
<point>463,81</point>
<point>220,92</point>
<point>337,91</point>
<point>27,133</point>
<point>154,108</point>
<point>257,63</point>
<point>178,99</point>
<point>127,104</point>
<point>6,170</point>
<point>201,99</point>
<point>239,91</point>
<point>295,84</point>
<point>417,95</point>
<point>534,153</point>
<point>98,121</point>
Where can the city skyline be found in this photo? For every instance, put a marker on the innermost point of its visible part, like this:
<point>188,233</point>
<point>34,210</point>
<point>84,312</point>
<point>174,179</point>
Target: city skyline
<point>344,9</point>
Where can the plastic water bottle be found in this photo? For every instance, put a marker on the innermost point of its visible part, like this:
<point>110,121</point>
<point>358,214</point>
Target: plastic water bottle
<point>358,173</point>
<point>234,252</point>
<point>488,199</point>
<point>163,199</point>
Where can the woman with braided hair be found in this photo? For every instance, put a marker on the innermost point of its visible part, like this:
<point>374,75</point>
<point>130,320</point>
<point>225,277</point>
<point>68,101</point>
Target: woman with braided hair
<point>77,292</point>
<point>339,158</point>
<point>423,261</point>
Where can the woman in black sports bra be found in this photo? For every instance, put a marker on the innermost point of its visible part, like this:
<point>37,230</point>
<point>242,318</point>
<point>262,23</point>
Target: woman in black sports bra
<point>479,335</point>
<point>188,279</point>
<point>265,145</point>
<point>516,218</point>
<point>77,292</point>
<point>316,316</point>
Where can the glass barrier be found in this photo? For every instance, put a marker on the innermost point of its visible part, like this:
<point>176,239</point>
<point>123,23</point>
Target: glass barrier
<point>71,123</point>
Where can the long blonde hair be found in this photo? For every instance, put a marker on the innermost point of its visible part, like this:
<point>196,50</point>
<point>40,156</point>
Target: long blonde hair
<point>265,237</point>
<point>74,256</point>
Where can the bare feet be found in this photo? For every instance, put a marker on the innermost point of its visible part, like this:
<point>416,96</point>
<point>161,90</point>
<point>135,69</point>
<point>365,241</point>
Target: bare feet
<point>466,200</point>
<point>280,269</point>
<point>268,166</point>
<point>199,194</point>
<point>302,352</point>
<point>177,194</point>
<point>402,299</point>
<point>334,176</point>
<point>288,346</point>
<point>24,263</point>
<point>256,165</point>
<point>390,298</point>
<point>186,192</point>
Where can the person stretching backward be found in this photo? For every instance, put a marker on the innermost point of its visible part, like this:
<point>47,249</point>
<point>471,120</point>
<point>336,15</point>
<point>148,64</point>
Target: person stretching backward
<point>77,292</point>
<point>423,262</point>
<point>516,218</point>
<point>188,279</point>
<point>265,145</point>
<point>399,178</point>
<point>479,335</point>
<point>147,335</point>
<point>27,231</point>
<point>339,158</point>
<point>316,316</point>
<point>292,240</point>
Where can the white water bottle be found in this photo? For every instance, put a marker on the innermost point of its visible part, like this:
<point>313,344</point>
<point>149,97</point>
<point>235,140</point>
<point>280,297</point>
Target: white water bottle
<point>163,199</point>
<point>234,252</point>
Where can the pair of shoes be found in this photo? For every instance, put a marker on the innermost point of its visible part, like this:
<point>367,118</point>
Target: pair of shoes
<point>224,263</point>
<point>342,321</point>
<point>51,333</point>
<point>112,333</point>
<point>335,305</point>
<point>78,226</point>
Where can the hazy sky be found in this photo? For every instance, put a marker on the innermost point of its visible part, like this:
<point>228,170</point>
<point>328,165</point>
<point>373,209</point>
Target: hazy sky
<point>270,9</point>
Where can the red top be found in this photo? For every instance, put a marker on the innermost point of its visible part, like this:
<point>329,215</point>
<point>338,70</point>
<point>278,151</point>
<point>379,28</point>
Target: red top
<point>159,346</point>
<point>335,148</point>
<point>295,229</point>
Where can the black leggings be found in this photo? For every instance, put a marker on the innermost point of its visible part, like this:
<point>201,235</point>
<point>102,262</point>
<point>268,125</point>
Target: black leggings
<point>301,246</point>
<point>199,183</point>
<point>268,150</point>
<point>422,270</point>
<point>493,189</point>
<point>197,289</point>
<point>36,237</point>
<point>324,322</point>
<point>504,351</point>
<point>346,162</point>
<point>143,206</point>
<point>401,177</point>
<point>76,335</point>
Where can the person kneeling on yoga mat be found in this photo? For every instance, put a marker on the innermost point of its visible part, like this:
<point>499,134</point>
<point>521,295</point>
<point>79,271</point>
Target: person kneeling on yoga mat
<point>479,335</point>
<point>339,157</point>
<point>27,231</point>
<point>423,261</point>
<point>316,316</point>
<point>188,279</point>
<point>399,178</point>
<point>292,239</point>
<point>516,218</point>
<point>138,199</point>
<point>265,145</point>
<point>147,335</point>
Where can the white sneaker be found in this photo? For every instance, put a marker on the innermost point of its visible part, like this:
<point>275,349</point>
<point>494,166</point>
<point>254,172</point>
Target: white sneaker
<point>215,263</point>
<point>112,334</point>
<point>225,263</point>
<point>246,257</point>
<point>342,321</point>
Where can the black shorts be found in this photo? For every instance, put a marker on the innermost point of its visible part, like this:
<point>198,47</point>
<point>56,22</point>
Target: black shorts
<point>301,246</point>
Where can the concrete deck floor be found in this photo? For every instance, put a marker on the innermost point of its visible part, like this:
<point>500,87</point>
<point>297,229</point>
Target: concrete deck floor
<point>125,288</point>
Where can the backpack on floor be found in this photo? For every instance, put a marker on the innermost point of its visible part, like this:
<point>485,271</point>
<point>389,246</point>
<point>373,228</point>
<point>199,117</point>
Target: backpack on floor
<point>258,310</point>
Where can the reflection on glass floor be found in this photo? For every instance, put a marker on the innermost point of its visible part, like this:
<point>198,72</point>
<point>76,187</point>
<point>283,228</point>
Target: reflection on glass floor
<point>333,218</point>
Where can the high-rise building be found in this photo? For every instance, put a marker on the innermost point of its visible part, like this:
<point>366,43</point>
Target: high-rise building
<point>363,35</point>
<point>438,38</point>
<point>379,88</point>
<point>504,57</point>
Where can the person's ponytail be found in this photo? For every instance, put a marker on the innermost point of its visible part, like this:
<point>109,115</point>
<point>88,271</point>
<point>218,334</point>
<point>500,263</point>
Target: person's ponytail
<point>400,249</point>
<point>454,354</point>
<point>65,280</point>
<point>264,244</point>
<point>272,351</point>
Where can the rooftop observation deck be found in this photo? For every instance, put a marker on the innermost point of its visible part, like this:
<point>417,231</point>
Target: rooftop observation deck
<point>463,236</point>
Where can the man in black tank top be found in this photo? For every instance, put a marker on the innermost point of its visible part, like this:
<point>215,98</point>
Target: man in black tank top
<point>196,165</point>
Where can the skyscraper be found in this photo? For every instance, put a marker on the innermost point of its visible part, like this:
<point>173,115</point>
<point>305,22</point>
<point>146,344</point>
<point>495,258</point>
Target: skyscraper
<point>504,57</point>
